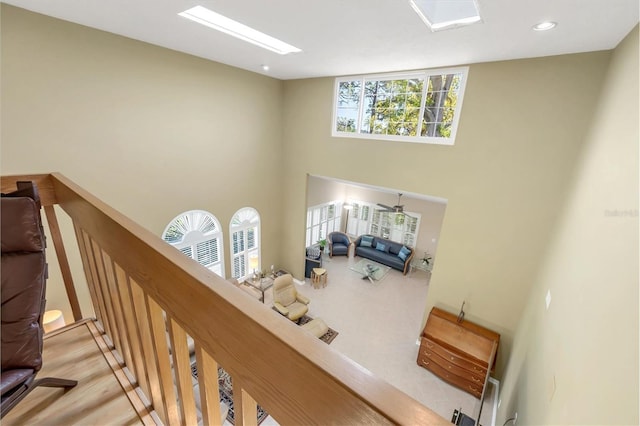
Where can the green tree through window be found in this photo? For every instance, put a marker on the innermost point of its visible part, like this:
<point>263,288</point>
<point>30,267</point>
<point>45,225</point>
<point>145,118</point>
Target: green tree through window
<point>417,107</point>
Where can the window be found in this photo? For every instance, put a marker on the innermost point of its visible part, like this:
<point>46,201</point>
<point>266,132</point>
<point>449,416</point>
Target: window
<point>359,218</point>
<point>322,220</point>
<point>411,107</point>
<point>245,242</point>
<point>197,234</point>
<point>399,227</point>
<point>368,218</point>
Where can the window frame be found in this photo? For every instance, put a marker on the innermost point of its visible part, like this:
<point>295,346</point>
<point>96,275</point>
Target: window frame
<point>243,227</point>
<point>194,237</point>
<point>323,222</point>
<point>401,76</point>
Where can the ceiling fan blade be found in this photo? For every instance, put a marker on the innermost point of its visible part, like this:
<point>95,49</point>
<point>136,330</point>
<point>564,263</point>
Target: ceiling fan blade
<point>387,208</point>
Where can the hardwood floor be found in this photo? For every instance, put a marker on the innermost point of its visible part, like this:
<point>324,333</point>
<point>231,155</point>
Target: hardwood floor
<point>97,399</point>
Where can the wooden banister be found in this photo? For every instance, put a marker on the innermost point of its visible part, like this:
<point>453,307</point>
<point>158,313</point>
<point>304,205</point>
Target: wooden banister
<point>149,297</point>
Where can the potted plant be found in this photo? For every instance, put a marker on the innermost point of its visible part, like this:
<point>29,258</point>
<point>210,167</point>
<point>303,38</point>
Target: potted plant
<point>322,243</point>
<point>426,258</point>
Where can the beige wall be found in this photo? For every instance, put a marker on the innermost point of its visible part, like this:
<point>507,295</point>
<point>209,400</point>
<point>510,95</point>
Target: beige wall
<point>150,131</point>
<point>154,132</point>
<point>577,362</point>
<point>521,130</point>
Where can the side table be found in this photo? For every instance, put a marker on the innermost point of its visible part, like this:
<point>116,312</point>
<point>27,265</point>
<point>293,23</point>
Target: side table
<point>262,285</point>
<point>419,264</point>
<point>319,277</point>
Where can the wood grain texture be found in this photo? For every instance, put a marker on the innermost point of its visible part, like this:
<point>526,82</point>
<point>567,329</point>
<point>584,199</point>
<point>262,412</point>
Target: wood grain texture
<point>292,375</point>
<point>182,371</point>
<point>97,399</point>
<point>63,261</point>
<point>460,352</point>
<point>209,388</point>
<point>42,181</point>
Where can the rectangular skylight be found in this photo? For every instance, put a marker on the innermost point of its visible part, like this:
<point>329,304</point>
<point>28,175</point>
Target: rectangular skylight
<point>445,14</point>
<point>214,20</point>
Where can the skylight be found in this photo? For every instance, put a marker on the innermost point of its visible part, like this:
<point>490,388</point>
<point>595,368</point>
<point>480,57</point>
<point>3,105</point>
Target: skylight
<point>445,14</point>
<point>214,20</point>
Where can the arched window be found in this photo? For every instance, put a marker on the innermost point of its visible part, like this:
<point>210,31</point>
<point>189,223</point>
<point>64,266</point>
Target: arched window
<point>245,242</point>
<point>198,234</point>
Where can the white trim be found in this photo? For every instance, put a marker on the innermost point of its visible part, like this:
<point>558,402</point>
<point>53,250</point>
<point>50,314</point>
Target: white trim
<point>494,413</point>
<point>424,74</point>
<point>387,190</point>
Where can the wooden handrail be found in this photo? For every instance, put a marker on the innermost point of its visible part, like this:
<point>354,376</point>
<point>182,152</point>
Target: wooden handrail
<point>148,297</point>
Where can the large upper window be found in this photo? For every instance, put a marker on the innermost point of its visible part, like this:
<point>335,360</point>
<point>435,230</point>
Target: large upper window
<point>419,106</point>
<point>197,234</point>
<point>245,242</point>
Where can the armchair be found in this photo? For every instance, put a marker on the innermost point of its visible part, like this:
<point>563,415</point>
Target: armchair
<point>287,300</point>
<point>339,244</point>
<point>24,274</point>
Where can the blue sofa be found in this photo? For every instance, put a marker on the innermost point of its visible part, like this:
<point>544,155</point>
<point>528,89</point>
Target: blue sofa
<point>384,251</point>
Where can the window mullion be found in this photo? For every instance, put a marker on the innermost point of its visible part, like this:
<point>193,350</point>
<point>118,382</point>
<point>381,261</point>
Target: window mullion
<point>423,102</point>
<point>360,106</point>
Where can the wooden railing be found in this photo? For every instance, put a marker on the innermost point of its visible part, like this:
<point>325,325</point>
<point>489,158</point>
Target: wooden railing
<point>144,290</point>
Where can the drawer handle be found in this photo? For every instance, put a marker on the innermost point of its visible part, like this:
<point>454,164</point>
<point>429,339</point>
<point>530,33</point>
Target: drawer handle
<point>429,345</point>
<point>476,369</point>
<point>452,358</point>
<point>475,380</point>
<point>473,388</point>
<point>427,354</point>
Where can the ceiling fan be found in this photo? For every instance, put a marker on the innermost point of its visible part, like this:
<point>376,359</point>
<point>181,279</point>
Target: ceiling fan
<point>398,208</point>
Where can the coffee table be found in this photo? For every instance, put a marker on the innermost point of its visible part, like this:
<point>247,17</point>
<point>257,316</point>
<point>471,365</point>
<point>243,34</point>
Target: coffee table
<point>371,270</point>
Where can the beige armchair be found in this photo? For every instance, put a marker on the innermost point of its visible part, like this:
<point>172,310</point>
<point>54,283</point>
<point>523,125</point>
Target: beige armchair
<point>287,300</point>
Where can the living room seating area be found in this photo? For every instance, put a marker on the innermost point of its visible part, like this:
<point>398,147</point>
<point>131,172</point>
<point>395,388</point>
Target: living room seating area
<point>339,244</point>
<point>382,250</point>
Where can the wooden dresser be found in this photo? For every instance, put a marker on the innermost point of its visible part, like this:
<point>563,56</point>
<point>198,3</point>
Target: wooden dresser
<point>459,353</point>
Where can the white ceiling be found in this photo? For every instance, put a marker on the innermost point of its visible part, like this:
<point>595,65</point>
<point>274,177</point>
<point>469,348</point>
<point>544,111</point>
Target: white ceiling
<point>341,37</point>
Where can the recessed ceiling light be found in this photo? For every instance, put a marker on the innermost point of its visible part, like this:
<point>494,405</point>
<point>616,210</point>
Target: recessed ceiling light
<point>214,20</point>
<point>544,26</point>
<point>265,67</point>
<point>445,14</point>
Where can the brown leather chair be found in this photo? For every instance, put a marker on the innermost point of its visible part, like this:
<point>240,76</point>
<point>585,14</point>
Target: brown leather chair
<point>24,274</point>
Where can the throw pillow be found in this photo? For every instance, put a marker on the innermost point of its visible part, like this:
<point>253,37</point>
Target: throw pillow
<point>403,253</point>
<point>381,247</point>
<point>366,241</point>
<point>313,252</point>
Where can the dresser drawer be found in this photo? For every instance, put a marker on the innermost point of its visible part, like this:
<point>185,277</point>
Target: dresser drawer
<point>448,376</point>
<point>469,375</point>
<point>453,358</point>
<point>459,352</point>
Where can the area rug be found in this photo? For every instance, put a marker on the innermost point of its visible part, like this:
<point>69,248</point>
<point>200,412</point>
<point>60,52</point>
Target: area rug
<point>370,269</point>
<point>326,337</point>
<point>226,393</point>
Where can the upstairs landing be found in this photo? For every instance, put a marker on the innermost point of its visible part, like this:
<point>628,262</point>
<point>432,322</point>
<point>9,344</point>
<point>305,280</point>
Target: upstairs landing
<point>79,352</point>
